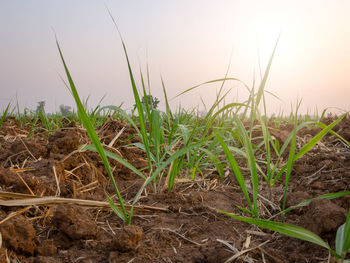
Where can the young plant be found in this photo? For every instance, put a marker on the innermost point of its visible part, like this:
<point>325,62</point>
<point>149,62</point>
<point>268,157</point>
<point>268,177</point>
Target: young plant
<point>275,173</point>
<point>4,114</point>
<point>123,213</point>
<point>242,135</point>
<point>153,140</point>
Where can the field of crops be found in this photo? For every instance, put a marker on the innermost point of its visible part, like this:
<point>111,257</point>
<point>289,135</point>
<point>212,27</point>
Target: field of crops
<point>54,206</point>
<point>231,185</point>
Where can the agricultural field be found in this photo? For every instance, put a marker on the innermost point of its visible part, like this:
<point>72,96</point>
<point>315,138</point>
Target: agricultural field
<point>174,185</point>
<point>231,185</point>
<point>54,206</point>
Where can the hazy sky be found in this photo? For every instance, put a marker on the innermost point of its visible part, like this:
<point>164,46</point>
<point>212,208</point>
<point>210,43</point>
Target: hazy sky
<point>187,42</point>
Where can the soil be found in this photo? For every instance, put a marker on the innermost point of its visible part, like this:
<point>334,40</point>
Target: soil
<point>177,226</point>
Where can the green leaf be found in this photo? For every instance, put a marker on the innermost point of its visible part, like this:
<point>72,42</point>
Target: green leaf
<point>167,106</point>
<point>339,239</point>
<point>209,82</point>
<point>235,168</point>
<point>173,173</point>
<point>346,244</point>
<point>325,196</point>
<point>322,125</point>
<point>156,133</point>
<point>164,164</point>
<point>216,161</point>
<point>138,103</point>
<point>116,209</point>
<point>145,96</point>
<point>91,132</point>
<point>283,228</point>
<point>266,74</point>
<point>251,161</point>
<point>4,115</point>
<point>291,156</point>
<point>307,147</point>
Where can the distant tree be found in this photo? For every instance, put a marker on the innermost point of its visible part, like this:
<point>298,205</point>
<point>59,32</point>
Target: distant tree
<point>40,107</point>
<point>152,101</point>
<point>65,110</point>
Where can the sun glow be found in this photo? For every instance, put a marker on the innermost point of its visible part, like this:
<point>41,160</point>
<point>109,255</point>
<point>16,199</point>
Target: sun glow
<point>267,27</point>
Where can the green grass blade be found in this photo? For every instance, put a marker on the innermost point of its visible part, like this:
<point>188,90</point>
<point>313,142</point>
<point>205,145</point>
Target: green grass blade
<point>173,173</point>
<point>290,157</point>
<point>323,114</point>
<point>339,239</point>
<point>322,125</point>
<point>116,209</point>
<point>238,150</point>
<point>307,147</point>
<point>147,104</point>
<point>139,109</point>
<point>156,133</point>
<point>328,196</point>
<point>235,168</point>
<point>167,106</point>
<point>287,141</point>
<point>245,210</point>
<point>266,74</point>
<point>91,132</point>
<point>216,161</point>
<point>216,114</point>
<point>164,164</point>
<point>283,228</point>
<point>346,235</point>
<point>209,82</point>
<point>251,162</point>
<point>123,114</point>
<point>138,103</point>
<point>4,114</point>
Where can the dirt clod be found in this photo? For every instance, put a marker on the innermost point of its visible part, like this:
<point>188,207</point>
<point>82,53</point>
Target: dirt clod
<point>74,222</point>
<point>47,248</point>
<point>128,238</point>
<point>3,255</point>
<point>323,217</point>
<point>18,234</point>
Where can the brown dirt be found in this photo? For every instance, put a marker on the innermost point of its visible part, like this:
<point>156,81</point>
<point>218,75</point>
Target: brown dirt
<point>191,230</point>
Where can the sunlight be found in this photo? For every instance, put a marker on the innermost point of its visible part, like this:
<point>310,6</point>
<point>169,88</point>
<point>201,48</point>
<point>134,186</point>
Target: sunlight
<point>267,26</point>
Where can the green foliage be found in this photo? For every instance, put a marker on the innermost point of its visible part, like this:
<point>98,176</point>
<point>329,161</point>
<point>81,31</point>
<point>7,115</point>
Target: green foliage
<point>342,240</point>
<point>123,214</point>
<point>4,114</point>
<point>184,143</point>
<point>342,243</point>
<point>286,229</point>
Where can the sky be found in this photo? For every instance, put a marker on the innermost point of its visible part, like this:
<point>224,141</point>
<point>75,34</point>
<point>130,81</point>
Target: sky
<point>184,42</point>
